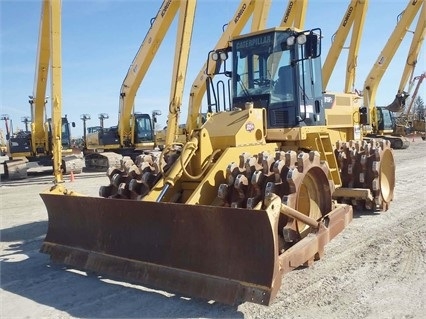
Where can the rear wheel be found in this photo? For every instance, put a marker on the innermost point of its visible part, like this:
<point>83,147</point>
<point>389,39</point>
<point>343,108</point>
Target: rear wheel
<point>369,165</point>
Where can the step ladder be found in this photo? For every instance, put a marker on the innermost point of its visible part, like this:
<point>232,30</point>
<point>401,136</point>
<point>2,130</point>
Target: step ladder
<point>325,148</point>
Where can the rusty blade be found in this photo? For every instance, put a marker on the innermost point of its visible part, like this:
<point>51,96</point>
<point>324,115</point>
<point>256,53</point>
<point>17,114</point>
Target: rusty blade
<point>224,254</point>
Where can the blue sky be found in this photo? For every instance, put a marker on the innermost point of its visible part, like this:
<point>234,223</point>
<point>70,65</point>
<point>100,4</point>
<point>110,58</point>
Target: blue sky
<point>101,37</point>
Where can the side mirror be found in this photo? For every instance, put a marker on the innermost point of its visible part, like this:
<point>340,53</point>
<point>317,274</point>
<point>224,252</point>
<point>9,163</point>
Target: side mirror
<point>73,124</point>
<point>363,118</point>
<point>312,46</point>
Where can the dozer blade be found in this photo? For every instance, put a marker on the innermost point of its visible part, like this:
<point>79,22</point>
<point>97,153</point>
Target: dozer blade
<point>225,254</point>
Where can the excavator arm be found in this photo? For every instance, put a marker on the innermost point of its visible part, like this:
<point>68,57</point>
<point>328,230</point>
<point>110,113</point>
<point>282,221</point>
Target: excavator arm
<point>295,14</point>
<point>38,99</point>
<point>373,79</point>
<point>56,88</point>
<point>140,66</point>
<point>354,18</point>
<point>183,42</point>
<point>413,53</point>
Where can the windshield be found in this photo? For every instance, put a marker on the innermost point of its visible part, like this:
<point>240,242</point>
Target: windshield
<point>144,129</point>
<point>263,68</point>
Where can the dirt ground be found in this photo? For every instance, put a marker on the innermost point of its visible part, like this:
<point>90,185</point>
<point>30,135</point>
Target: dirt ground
<point>374,269</point>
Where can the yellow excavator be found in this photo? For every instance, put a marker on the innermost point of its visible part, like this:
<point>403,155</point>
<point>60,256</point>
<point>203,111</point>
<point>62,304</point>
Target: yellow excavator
<point>378,120</point>
<point>134,134</point>
<point>38,145</point>
<point>407,121</point>
<point>259,189</point>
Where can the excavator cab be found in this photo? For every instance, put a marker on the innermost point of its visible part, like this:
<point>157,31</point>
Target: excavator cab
<point>385,120</point>
<point>65,133</point>
<point>143,131</point>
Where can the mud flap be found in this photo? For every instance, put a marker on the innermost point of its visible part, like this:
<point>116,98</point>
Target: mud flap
<point>225,254</point>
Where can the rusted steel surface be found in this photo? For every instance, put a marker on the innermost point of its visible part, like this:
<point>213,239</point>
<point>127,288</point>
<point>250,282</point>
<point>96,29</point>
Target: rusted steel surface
<point>225,254</point>
<point>216,253</point>
<point>312,246</point>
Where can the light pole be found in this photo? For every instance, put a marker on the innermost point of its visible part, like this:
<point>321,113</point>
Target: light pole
<point>5,118</point>
<point>155,114</point>
<point>84,118</point>
<point>102,117</point>
<point>26,120</point>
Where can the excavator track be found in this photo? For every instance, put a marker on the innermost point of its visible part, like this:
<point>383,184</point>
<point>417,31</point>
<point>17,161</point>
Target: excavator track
<point>16,168</point>
<point>72,163</point>
<point>101,162</point>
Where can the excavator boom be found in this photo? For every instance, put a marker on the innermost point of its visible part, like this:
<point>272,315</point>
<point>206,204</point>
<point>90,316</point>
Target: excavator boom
<point>413,52</point>
<point>38,100</point>
<point>354,18</point>
<point>140,66</point>
<point>379,68</point>
<point>183,41</point>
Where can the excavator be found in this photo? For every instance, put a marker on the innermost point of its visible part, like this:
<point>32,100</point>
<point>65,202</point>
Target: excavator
<point>404,121</point>
<point>134,134</point>
<point>258,189</point>
<point>377,121</point>
<point>37,145</point>
<point>49,140</point>
<point>408,122</point>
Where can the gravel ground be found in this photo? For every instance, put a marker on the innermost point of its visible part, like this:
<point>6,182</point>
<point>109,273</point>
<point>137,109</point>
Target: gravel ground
<point>374,269</point>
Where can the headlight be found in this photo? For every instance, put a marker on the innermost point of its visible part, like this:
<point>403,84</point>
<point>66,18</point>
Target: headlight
<point>290,40</point>
<point>301,39</point>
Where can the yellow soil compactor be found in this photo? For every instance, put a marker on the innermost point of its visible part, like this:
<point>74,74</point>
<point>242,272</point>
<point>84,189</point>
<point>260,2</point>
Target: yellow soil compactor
<point>258,190</point>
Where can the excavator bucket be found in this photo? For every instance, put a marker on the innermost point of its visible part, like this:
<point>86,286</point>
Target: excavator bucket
<point>217,253</point>
<point>398,103</point>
